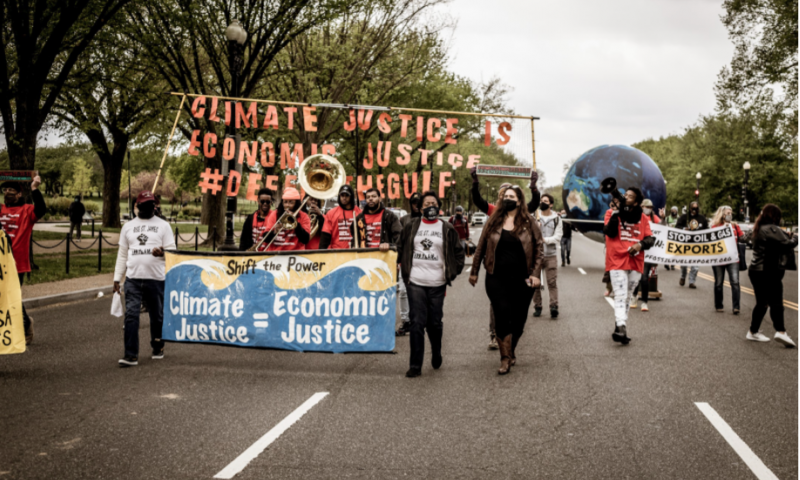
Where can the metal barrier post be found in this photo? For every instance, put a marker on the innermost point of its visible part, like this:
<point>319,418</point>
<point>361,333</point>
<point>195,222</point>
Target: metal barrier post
<point>214,239</point>
<point>100,251</point>
<point>177,239</point>
<point>69,240</point>
<point>196,237</point>
<point>92,227</point>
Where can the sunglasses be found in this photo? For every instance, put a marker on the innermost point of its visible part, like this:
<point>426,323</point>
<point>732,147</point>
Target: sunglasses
<point>265,202</point>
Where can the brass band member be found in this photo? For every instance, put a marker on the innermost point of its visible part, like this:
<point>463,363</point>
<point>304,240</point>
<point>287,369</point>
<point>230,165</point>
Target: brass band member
<point>295,239</point>
<point>256,224</point>
<point>336,233</point>
<point>314,210</point>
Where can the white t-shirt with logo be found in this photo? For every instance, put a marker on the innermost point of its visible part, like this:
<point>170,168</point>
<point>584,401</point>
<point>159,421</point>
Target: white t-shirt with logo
<point>427,268</point>
<point>136,242</point>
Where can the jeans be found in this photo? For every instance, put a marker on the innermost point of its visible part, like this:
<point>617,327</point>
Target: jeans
<point>644,283</point>
<point>692,273</point>
<point>26,320</point>
<point>623,282</point>
<point>402,295</point>
<point>151,292</point>
<point>550,267</point>
<point>426,314</point>
<point>768,287</point>
<point>74,225</point>
<point>566,248</point>
<point>719,283</point>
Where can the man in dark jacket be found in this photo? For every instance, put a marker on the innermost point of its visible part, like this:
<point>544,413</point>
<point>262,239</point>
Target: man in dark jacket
<point>76,212</point>
<point>415,204</point>
<point>377,227</point>
<point>431,257</point>
<point>691,220</point>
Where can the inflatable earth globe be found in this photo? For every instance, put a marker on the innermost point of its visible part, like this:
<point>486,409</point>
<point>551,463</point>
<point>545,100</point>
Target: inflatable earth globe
<point>631,167</point>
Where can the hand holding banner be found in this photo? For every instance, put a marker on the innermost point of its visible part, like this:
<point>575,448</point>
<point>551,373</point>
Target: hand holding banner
<point>701,248</point>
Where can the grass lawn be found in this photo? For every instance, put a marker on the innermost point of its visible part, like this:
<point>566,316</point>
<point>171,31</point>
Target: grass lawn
<point>40,235</point>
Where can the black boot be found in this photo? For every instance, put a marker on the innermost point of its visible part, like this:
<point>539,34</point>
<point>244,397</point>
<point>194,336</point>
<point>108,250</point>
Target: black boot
<point>505,355</point>
<point>435,337</point>
<point>514,342</point>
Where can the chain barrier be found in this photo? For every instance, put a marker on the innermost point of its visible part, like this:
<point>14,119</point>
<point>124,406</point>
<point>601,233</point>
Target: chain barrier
<point>51,247</point>
<point>84,248</point>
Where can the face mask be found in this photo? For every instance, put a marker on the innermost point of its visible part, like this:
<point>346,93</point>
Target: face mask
<point>458,216</point>
<point>728,218</point>
<point>509,205</point>
<point>674,213</point>
<point>544,206</point>
<point>430,213</point>
<point>146,210</point>
<point>694,211</point>
<point>647,211</point>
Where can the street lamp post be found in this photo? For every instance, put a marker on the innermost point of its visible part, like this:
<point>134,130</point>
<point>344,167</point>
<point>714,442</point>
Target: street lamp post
<point>236,38</point>
<point>746,167</point>
<point>697,190</point>
<point>453,206</point>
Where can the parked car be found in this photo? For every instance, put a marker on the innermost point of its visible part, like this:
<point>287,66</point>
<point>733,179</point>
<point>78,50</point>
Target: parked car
<point>479,218</point>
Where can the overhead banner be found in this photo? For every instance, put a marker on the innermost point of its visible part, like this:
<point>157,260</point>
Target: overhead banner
<point>12,331</point>
<point>331,301</point>
<point>699,248</point>
<point>503,171</point>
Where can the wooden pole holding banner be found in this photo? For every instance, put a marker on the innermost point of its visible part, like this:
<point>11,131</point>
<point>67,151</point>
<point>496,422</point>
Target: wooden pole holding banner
<point>533,143</point>
<point>175,125</point>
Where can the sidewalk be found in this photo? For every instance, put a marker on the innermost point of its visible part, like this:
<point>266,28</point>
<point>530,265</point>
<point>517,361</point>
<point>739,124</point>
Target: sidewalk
<point>67,286</point>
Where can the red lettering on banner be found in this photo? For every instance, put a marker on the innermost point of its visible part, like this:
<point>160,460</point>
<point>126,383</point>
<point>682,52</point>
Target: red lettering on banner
<point>379,184</point>
<point>212,115</point>
<point>210,145</point>
<point>267,155</point>
<point>413,189</point>
<point>420,127</point>
<point>364,119</point>
<point>252,186</point>
<point>383,122</point>
<point>271,118</point>
<point>293,158</point>
<point>502,131</point>
<point>368,161</point>
<point>433,125</point>
<point>350,125</point>
<point>405,151</point>
<point>393,182</point>
<point>424,156</point>
<point>234,179</point>
<point>383,160</point>
<point>251,153</point>
<point>455,160</point>
<point>426,180</point>
<point>473,160</point>
<point>199,102</point>
<point>451,130</point>
<point>439,158</point>
<point>444,182</point>
<point>362,187</point>
<point>309,119</point>
<point>487,136</point>
<point>194,143</point>
<point>228,148</point>
<point>290,111</point>
<point>228,113</point>
<point>404,119</point>
<point>241,116</point>
<point>271,182</point>
<point>210,181</point>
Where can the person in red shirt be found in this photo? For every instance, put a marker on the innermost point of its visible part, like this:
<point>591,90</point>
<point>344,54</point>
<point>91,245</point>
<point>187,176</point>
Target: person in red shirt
<point>378,227</point>
<point>288,239</point>
<point>256,224</point>
<point>627,232</point>
<point>336,233</point>
<point>17,219</point>
<point>461,225</point>
<point>314,207</point>
<point>644,283</point>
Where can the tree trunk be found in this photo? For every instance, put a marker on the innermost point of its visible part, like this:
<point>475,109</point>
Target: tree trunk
<point>112,174</point>
<point>213,213</point>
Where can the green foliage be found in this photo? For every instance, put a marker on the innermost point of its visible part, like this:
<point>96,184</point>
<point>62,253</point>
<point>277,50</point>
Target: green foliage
<point>80,181</point>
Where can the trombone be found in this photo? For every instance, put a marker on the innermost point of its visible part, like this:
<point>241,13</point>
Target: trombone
<point>320,176</point>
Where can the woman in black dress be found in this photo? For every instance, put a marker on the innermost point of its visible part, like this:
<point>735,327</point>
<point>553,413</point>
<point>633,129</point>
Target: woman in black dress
<point>510,248</point>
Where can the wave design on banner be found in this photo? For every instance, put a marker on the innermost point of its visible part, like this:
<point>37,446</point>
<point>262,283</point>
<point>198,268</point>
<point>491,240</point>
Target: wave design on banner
<point>270,304</point>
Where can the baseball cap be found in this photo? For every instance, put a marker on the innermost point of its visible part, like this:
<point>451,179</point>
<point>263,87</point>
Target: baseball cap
<point>145,196</point>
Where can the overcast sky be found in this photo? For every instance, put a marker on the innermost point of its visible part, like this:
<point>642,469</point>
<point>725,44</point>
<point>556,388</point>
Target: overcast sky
<point>596,72</point>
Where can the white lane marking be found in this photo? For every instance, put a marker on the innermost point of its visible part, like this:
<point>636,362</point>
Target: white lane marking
<point>610,301</point>
<point>262,443</point>
<point>756,465</point>
<point>261,324</point>
<point>582,271</point>
<point>260,316</point>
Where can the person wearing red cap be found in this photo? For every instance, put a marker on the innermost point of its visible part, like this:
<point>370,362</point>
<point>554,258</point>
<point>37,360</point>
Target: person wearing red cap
<point>140,259</point>
<point>288,239</point>
<point>336,233</point>
<point>17,219</point>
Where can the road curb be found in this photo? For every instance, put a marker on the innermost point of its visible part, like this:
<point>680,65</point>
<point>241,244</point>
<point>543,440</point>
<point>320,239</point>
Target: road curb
<point>66,297</point>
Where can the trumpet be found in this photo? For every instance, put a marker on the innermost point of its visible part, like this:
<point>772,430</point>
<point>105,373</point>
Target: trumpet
<point>314,225</point>
<point>320,176</point>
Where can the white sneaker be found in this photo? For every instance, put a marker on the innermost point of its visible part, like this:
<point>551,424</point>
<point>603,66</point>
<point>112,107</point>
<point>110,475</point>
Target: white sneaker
<point>757,337</point>
<point>784,339</point>
<point>633,301</point>
<point>644,307</point>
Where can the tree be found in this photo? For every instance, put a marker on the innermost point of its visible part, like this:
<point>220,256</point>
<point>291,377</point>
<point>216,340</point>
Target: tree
<point>81,180</point>
<point>40,44</point>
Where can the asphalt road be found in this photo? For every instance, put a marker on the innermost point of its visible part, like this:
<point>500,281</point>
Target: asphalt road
<point>577,405</point>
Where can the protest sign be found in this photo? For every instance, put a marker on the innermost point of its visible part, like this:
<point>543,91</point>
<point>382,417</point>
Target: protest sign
<point>333,301</point>
<point>12,331</point>
<point>503,171</point>
<point>702,248</point>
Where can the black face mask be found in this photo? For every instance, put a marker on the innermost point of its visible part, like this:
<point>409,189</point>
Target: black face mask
<point>430,213</point>
<point>147,210</point>
<point>509,205</point>
<point>458,216</point>
<point>544,206</point>
<point>694,211</point>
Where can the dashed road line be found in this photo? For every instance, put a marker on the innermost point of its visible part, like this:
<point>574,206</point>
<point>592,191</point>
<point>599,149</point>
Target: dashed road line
<point>610,301</point>
<point>750,459</point>
<point>262,443</point>
<point>583,272</point>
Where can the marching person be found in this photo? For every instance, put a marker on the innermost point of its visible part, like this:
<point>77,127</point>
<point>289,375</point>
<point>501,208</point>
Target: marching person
<point>691,220</point>
<point>286,240</point>
<point>140,260</point>
<point>256,224</point>
<point>627,232</point>
<point>17,219</point>
<point>336,233</point>
<point>76,212</point>
<point>488,209</point>
<point>415,203</point>
<point>644,283</point>
<point>551,226</point>
<point>377,226</point>
<point>431,257</point>
<point>566,239</point>
<point>314,208</point>
<point>511,248</point>
<point>724,216</point>
<point>773,254</point>
<point>672,220</point>
<point>459,222</point>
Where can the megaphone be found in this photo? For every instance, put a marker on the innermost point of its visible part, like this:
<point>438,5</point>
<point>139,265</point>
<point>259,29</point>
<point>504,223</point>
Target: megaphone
<point>609,185</point>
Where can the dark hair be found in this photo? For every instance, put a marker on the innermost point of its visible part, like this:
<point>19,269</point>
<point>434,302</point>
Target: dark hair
<point>521,220</point>
<point>430,193</point>
<point>638,193</point>
<point>552,200</point>
<point>373,189</point>
<point>770,215</point>
<point>265,191</point>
